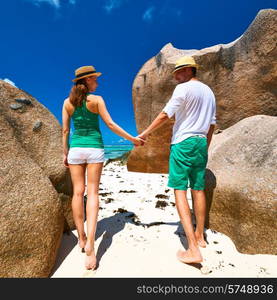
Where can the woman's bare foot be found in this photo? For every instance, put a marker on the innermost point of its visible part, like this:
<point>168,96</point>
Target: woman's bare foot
<point>200,240</point>
<point>90,262</point>
<point>190,256</point>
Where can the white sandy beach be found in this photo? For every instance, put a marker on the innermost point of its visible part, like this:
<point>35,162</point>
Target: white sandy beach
<point>129,243</point>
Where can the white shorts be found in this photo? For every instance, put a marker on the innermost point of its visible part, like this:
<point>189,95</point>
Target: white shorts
<point>80,155</point>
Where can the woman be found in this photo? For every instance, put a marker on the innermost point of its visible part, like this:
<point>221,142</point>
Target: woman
<point>86,152</point>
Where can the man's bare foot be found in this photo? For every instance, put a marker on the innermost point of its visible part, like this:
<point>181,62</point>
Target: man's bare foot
<point>90,262</point>
<point>190,256</point>
<point>200,240</point>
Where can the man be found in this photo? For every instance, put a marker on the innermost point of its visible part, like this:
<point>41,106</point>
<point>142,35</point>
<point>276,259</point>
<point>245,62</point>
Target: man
<point>194,107</point>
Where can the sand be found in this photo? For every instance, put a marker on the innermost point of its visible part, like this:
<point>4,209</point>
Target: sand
<point>135,238</point>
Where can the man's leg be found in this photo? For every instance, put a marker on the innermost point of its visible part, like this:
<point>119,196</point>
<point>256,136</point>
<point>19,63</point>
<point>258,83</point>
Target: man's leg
<point>192,254</point>
<point>197,184</point>
<point>199,206</point>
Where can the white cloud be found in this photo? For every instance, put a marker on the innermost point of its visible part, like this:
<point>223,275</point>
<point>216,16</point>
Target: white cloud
<point>9,81</point>
<point>54,3</point>
<point>110,5</point>
<point>148,14</point>
<point>164,12</point>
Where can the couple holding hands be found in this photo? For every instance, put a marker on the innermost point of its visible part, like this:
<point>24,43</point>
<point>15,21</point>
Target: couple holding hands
<point>194,107</point>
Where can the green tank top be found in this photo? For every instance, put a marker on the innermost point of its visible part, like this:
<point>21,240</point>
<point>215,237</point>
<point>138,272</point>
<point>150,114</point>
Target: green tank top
<point>86,128</point>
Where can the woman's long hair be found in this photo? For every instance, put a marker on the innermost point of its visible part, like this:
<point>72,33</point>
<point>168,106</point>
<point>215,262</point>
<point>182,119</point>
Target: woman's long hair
<point>78,92</point>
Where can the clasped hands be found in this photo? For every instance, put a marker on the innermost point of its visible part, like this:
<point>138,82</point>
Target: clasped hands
<point>140,140</point>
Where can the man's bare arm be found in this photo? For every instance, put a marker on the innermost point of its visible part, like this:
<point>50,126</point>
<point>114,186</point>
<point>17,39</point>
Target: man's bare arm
<point>158,122</point>
<point>210,134</point>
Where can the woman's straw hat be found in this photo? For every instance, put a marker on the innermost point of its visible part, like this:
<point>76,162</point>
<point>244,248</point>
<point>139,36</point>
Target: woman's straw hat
<point>85,71</point>
<point>185,62</point>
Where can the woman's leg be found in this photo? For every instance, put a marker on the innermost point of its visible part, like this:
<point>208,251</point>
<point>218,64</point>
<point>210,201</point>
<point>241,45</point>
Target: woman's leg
<point>93,179</point>
<point>77,173</point>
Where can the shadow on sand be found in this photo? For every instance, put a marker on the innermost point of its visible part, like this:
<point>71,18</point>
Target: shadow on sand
<point>108,227</point>
<point>69,240</point>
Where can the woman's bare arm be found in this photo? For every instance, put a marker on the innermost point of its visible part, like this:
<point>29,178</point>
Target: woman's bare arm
<point>103,112</point>
<point>65,128</point>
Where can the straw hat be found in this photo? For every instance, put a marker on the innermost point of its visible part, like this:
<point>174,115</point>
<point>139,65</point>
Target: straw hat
<point>85,71</point>
<point>185,62</point>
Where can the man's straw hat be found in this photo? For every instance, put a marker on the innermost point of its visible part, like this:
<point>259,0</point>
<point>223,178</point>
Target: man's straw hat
<point>85,71</point>
<point>185,62</point>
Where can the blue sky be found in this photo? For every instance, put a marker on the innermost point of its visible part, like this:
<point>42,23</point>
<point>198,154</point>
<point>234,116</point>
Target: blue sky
<point>44,41</point>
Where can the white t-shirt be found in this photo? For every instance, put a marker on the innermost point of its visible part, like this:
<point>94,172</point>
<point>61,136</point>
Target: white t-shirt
<point>193,104</point>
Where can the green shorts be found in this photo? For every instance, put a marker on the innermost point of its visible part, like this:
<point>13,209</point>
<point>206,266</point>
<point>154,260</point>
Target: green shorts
<point>187,164</point>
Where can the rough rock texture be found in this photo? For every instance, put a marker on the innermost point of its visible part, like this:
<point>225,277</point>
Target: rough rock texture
<point>67,212</point>
<point>242,75</point>
<point>241,184</point>
<point>33,183</point>
<point>153,156</point>
<point>42,143</point>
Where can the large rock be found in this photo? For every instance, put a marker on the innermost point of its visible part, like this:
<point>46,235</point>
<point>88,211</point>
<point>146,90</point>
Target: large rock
<point>242,75</point>
<point>241,184</point>
<point>34,185</point>
<point>38,132</point>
